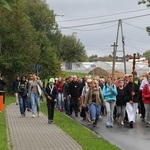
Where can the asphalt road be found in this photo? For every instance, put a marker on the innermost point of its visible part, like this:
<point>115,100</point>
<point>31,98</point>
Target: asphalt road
<point>136,138</point>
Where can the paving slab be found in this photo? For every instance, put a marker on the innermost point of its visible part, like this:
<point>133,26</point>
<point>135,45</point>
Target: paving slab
<point>29,133</point>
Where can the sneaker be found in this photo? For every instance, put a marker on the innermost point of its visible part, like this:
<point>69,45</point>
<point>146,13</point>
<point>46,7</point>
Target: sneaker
<point>33,116</point>
<point>147,125</point>
<point>24,114</point>
<point>100,117</point>
<point>122,123</point>
<point>49,121</point>
<point>21,115</point>
<point>38,114</point>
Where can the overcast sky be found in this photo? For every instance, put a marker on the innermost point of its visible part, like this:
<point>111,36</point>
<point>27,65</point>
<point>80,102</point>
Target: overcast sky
<point>98,38</point>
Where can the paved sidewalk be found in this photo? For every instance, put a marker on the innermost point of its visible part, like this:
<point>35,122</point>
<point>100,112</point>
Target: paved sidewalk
<point>36,134</point>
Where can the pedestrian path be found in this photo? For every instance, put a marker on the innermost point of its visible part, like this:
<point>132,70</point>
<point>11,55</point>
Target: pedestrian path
<point>29,133</point>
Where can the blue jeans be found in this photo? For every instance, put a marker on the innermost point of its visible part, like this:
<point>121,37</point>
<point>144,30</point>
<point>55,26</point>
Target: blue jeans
<point>28,103</point>
<point>22,103</point>
<point>61,100</point>
<point>35,102</point>
<point>94,111</point>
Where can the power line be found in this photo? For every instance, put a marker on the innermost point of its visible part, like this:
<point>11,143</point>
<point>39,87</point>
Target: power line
<point>92,24</point>
<point>137,40</point>
<point>134,26</point>
<point>93,29</point>
<point>86,18</point>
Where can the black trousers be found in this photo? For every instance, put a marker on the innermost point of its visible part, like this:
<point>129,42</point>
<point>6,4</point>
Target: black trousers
<point>50,108</point>
<point>141,105</point>
<point>74,105</point>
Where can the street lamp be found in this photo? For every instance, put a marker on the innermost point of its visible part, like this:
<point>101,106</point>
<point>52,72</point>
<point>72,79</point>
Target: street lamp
<point>62,15</point>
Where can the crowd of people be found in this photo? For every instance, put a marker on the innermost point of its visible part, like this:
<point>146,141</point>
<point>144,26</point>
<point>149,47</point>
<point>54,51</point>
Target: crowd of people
<point>117,97</point>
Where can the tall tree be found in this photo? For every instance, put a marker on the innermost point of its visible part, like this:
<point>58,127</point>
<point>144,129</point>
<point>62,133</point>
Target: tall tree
<point>72,50</point>
<point>147,2</point>
<point>146,54</point>
<point>8,4</point>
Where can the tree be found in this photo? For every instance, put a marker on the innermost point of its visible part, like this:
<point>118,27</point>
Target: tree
<point>146,54</point>
<point>8,4</point>
<point>72,50</point>
<point>147,2</point>
<point>29,37</point>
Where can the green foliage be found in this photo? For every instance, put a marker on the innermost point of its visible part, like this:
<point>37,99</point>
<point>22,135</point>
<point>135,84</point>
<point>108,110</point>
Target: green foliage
<point>148,30</point>
<point>146,54</point>
<point>8,4</point>
<point>72,50</point>
<point>29,37</point>
<point>147,2</point>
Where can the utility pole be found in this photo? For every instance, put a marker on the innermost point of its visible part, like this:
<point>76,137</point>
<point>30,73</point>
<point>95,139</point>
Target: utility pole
<point>123,43</point>
<point>114,57</point>
<point>123,46</point>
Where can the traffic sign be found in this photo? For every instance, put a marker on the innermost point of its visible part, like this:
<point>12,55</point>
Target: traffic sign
<point>37,67</point>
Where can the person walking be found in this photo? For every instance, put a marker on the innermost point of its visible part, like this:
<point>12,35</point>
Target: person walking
<point>22,94</point>
<point>66,95</point>
<point>132,95</point>
<point>15,88</point>
<point>74,95</point>
<point>143,83</point>
<point>59,86</point>
<point>109,93</point>
<point>51,93</point>
<point>146,101</point>
<point>121,101</point>
<point>84,108</point>
<point>94,100</point>
<point>33,94</point>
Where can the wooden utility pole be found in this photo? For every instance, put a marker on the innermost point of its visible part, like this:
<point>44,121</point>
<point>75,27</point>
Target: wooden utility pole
<point>114,57</point>
<point>123,43</point>
<point>133,70</point>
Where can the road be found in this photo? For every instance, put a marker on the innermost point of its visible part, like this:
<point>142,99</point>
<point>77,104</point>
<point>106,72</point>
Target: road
<point>137,138</point>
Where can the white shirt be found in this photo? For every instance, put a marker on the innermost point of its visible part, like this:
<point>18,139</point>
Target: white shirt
<point>144,82</point>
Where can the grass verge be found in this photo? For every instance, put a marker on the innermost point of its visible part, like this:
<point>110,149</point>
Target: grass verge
<point>5,143</point>
<point>86,138</point>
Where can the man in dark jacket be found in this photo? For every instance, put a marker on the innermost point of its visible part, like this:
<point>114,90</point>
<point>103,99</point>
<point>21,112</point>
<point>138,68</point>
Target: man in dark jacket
<point>74,95</point>
<point>132,95</point>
